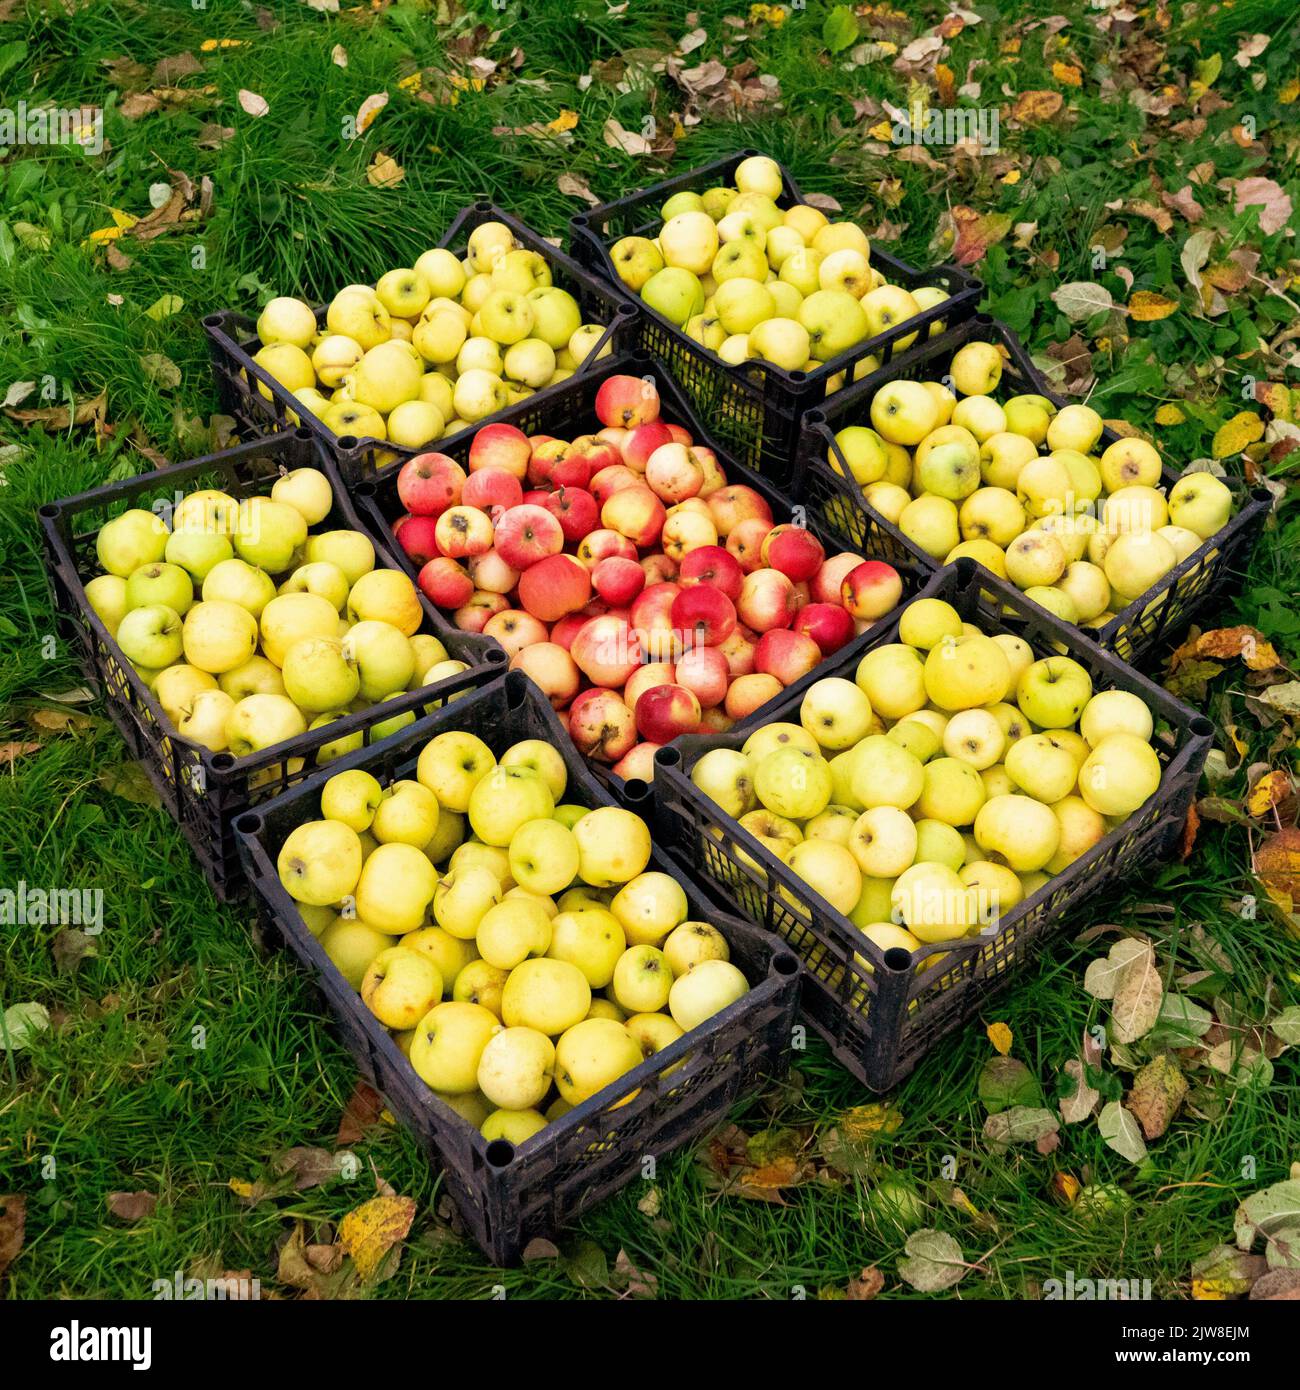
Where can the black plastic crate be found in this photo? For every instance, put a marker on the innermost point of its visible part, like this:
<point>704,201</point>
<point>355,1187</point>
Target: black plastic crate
<point>205,791</point>
<point>570,409</point>
<point>882,1011</point>
<point>756,408</point>
<point>507,1194</point>
<point>232,340</point>
<point>1140,631</point>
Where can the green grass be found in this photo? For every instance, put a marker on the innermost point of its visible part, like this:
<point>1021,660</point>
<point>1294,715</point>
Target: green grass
<point>117,1094</point>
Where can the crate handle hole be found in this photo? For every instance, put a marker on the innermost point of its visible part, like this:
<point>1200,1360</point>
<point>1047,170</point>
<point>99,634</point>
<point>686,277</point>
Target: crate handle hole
<point>366,488</point>
<point>983,320</point>
<point>302,433</point>
<point>501,1153</point>
<point>223,762</point>
<point>249,824</point>
<point>786,964</point>
<point>516,689</point>
<point>348,441</point>
<point>1202,727</point>
<point>498,656</point>
<point>668,757</point>
<point>213,320</point>
<point>636,790</point>
<point>50,509</point>
<point>1261,494</point>
<point>897,959</point>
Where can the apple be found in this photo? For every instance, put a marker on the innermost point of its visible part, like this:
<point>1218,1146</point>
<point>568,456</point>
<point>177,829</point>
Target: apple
<point>515,630</point>
<point>1053,692</point>
<point>635,260</point>
<point>613,844</point>
<point>512,931</point>
<point>429,484</point>
<point>787,655</point>
<point>491,488</point>
<point>462,897</point>
<point>714,566</point>
<point>500,446</point>
<point>618,580</point>
<point>641,442</point>
<point>591,1055</point>
<point>1075,427</point>
<point>554,587</point>
<point>665,711</point>
<point>256,676</point>
<point>976,369</point>
<point>647,677</point>
<point>217,636</point>
<point>516,1067</point>
<point>893,678</point>
<point>551,669</point>
<point>448,1045</point>
<point>871,590</point>
<point>705,672</point>
<point>673,473</point>
<point>1201,503</point>
<point>828,624</point>
<point>318,675</point>
<point>607,649</point>
<point>320,862</point>
<point>543,857</point>
<point>131,540</point>
<point>1119,774</point>
<point>383,657</point>
<point>504,799</point>
<point>836,713</point>
<point>689,241</point>
<point>636,513</point>
<point>701,615</point>
<point>464,531</point>
<point>400,986</point>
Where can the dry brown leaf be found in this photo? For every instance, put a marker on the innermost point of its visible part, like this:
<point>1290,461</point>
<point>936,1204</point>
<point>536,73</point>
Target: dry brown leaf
<point>253,103</point>
<point>13,1220</point>
<point>1033,107</point>
<point>60,417</point>
<point>866,1286</point>
<point>363,1109</point>
<point>131,1206</point>
<point>1225,643</point>
<point>1159,1089</point>
<point>10,751</point>
<point>1277,866</point>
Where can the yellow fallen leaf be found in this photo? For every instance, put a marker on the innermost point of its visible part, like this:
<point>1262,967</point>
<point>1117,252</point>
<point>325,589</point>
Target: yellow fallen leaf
<point>1231,438</point>
<point>164,307</point>
<point>1000,1036</point>
<point>369,109</point>
<point>566,120</point>
<point>385,172</point>
<point>1209,1290</point>
<point>1169,415</point>
<point>875,1118</point>
<point>370,1231</point>
<point>1147,307</point>
<point>1289,92</point>
<point>1272,788</point>
<point>882,130</point>
<point>413,83</point>
<point>1012,176</point>
<point>212,45</point>
<point>1070,76</point>
<point>240,1187</point>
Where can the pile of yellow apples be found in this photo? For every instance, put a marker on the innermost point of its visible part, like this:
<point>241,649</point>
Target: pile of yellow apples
<point>949,780</point>
<point>430,348</point>
<point>516,945</point>
<point>1018,486</point>
<point>249,628</point>
<point>750,280</point>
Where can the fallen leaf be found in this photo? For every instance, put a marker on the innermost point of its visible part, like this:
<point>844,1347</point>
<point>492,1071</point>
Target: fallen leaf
<point>361,1112</point>
<point>1277,1284</point>
<point>373,1229</point>
<point>1277,867</point>
<point>1080,299</point>
<point>1005,1082</point>
<point>1138,994</point>
<point>312,1167</point>
<point>165,307</point>
<point>1035,107</point>
<point>1265,1214</point>
<point>1226,1272</point>
<point>1070,76</point>
<point>130,782</point>
<point>1274,204</point>
<point>70,947</point>
<point>1234,435</point>
<point>55,418</point>
<point>131,1206</point>
<point>1079,1104</point>
<point>252,103</point>
<point>1120,1131</point>
<point>866,1286</point>
<point>1225,643</point>
<point>161,370</point>
<point>626,140</point>
<point>574,187</point>
<point>1148,307</point>
<point>1159,1089</point>
<point>934,1261</point>
<point>384,172</point>
<point>632,1280</point>
<point>1269,792</point>
<point>369,109</point>
<point>13,1220</point>
<point>20,1023</point>
<point>1000,1036</point>
<point>1102,976</point>
<point>539,1249</point>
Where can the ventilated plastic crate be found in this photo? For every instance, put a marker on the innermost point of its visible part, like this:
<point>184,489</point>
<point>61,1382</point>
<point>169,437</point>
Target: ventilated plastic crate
<point>507,1194</point>
<point>883,1011</point>
<point>755,409</point>
<point>1142,629</point>
<point>233,341</point>
<point>205,791</point>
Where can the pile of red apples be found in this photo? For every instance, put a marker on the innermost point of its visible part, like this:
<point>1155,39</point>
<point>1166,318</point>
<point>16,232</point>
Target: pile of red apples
<point>645,594</point>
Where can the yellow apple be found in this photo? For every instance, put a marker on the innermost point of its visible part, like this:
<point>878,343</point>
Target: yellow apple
<point>448,1045</point>
<point>320,862</point>
<point>395,888</point>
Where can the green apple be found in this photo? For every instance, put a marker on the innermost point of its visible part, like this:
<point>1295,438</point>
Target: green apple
<point>448,1045</point>
<point>402,292</point>
<point>1035,558</point>
<point>648,907</point>
<point>351,797</point>
<point>198,552</point>
<point>516,1068</point>
<point>407,814</point>
<point>903,412</point>
<point>962,673</point>
<point>1075,427</point>
<point>675,293</point>
<point>463,897</point>
<point>1053,692</point>
<point>318,675</point>
<point>835,322</point>
<point>256,676</point>
<point>261,721</point>
<point>352,945</point>
<point>161,583</point>
<point>546,994</point>
<point>358,314</point>
<point>1041,768</point>
<point>1021,830</point>
<point>382,655</point>
<point>953,792</point>
<point>269,533</point>
<point>1120,773</point>
<point>739,260</point>
<point>334,358</point>
<point>592,940</point>
<point>442,272</point>
<point>504,799</point>
<point>543,855</point>
<point>320,862</point>
<point>1200,502</point>
<point>864,452</point>
<point>635,259</point>
<point>836,712</point>
<point>238,582</point>
<point>1115,712</point>
<point>151,636</point>
<point>782,341</point>
<point>613,846</point>
<point>319,577</point>
<point>542,758</point>
<point>286,320</point>
<point>691,943</point>
<point>308,491</point>
<point>950,470</point>
<point>642,980</point>
<point>689,241</point>
<point>451,765</point>
<point>705,990</point>
<point>449,954</point>
<point>128,541</point>
<point>352,552</point>
<point>177,686</point>
<point>793,783</point>
<point>724,775</point>
<point>395,889</point>
<point>400,986</point>
<point>1029,417</point>
<point>203,721</point>
<point>106,594</point>
<point>976,369</point>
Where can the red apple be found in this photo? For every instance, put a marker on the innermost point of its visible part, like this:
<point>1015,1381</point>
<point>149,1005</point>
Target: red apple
<point>659,568</point>
<point>715,721</point>
<point>639,763</point>
<point>536,497</point>
<point>872,589</point>
<point>712,564</point>
<point>607,651</point>
<point>430,483</point>
<point>552,669</point>
<point>563,632</point>
<point>576,511</point>
<point>714,478</point>
<point>634,512</point>
<point>653,622</point>
<point>492,487</point>
<point>665,712</point>
<point>596,452</point>
<point>680,434</point>
<point>526,534</point>
<point>418,537</point>
<point>601,544</point>
<point>627,401</point>
<point>705,673</point>
<point>702,616</point>
<point>745,543</point>
<point>673,473</point>
<point>824,586</point>
<point>613,434</point>
<point>641,442</point>
<point>786,655</point>
<point>474,613</point>
<point>609,480</point>
<point>554,587</point>
<point>618,580</point>
<point>515,630</point>
<point>750,693</point>
<point>544,457</point>
<point>739,651</point>
<point>646,677</point>
<point>829,625</point>
<point>601,725</point>
<point>464,531</point>
<point>500,446</point>
<point>793,550</point>
<point>767,601</point>
<point>736,503</point>
<point>445,582</point>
